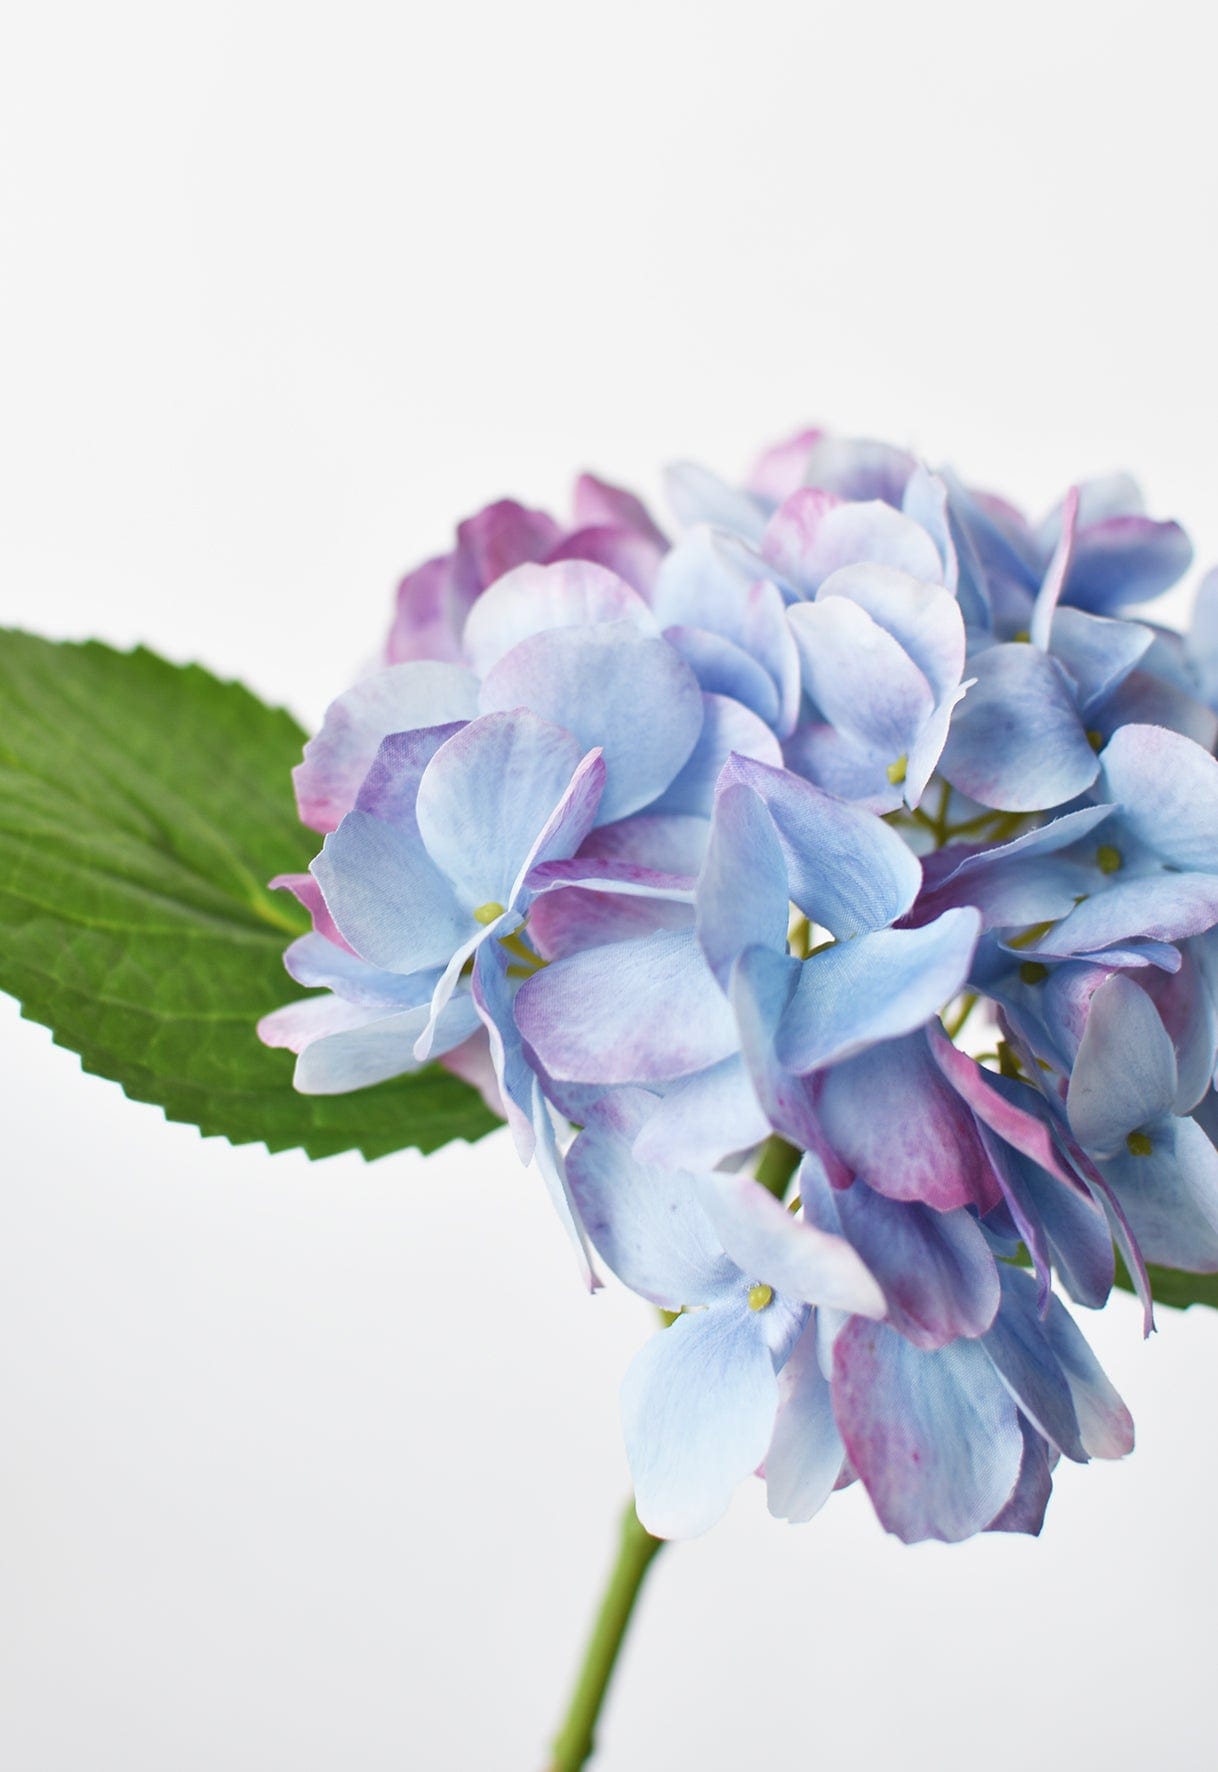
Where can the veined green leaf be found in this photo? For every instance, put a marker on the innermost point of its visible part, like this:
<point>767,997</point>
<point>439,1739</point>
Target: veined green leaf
<point>143,807</point>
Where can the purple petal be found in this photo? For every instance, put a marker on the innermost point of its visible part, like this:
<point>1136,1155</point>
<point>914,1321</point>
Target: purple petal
<point>1124,1074</point>
<point>423,693</point>
<point>599,502</point>
<point>933,1435</point>
<point>894,1120</point>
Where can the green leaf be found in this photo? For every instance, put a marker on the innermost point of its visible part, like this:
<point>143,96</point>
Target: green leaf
<point>143,807</point>
<point>1172,1286</point>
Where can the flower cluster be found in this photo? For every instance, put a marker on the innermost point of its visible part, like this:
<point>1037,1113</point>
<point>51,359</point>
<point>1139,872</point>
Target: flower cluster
<point>846,871</point>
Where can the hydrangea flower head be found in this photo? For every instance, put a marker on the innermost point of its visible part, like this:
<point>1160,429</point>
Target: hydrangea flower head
<point>861,826</point>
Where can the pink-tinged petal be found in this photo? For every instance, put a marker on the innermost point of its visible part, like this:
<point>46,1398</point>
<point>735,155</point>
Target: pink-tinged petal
<point>599,503</point>
<point>628,556</point>
<point>344,1046</point>
<point>571,918</point>
<point>936,1271</point>
<point>761,987</point>
<point>698,1406</point>
<point>532,599</point>
<point>428,618</point>
<point>728,730</point>
<point>631,1012</point>
<point>404,696</point>
<point>1025,1510</point>
<point>805,1459</point>
<point>390,790</point>
<point>809,538</point>
<point>392,904</point>
<point>1020,1127</point>
<point>671,843</point>
<point>612,688</point>
<point>1017,742</point>
<point>297,1025</point>
<point>789,1253</point>
<point>779,470</point>
<point>894,1120</point>
<point>306,891</point>
<point>318,964</point>
<point>473,1063</point>
<point>496,539</point>
<point>934,1436</point>
<point>1048,596</point>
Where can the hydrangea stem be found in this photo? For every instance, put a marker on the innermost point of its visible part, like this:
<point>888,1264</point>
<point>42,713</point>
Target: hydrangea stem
<point>577,1737</point>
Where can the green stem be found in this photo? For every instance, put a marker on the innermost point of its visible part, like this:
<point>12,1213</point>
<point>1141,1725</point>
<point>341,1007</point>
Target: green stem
<point>576,1739</point>
<point>777,1164</point>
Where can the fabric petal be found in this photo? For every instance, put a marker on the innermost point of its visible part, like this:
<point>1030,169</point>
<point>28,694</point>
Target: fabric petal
<point>861,678</point>
<point>742,891</point>
<point>701,1120</point>
<point>1017,742</point>
<point>698,1406</point>
<point>336,760</point>
<point>1170,1196</point>
<point>1167,789</point>
<point>939,1279</point>
<point>894,1120</point>
<point>531,599</point>
<point>1126,559</point>
<point>846,867</point>
<point>387,896</point>
<point>632,1012</point>
<point>611,687</point>
<point>933,1435</point>
<point>355,1057</point>
<point>806,1453</point>
<point>646,1223</point>
<point>728,730</point>
<point>487,795</point>
<point>812,536</point>
<point>875,987</point>
<point>789,1253</point>
<point>318,964</point>
<point>1124,1074</point>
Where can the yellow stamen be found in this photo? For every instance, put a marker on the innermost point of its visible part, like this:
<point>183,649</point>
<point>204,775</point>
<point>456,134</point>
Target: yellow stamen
<point>1095,739</point>
<point>1139,1145</point>
<point>486,913</point>
<point>896,771</point>
<point>759,1296</point>
<point>1108,859</point>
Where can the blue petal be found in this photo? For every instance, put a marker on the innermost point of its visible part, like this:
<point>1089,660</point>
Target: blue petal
<point>1098,653</point>
<point>1170,1197</point>
<point>860,677</point>
<point>390,790</point>
<point>1167,789</point>
<point>723,668</point>
<point>487,795</point>
<point>1024,1359</point>
<point>806,1453</point>
<point>317,963</point>
<point>632,1012</point>
<point>697,496</point>
<point>788,1253</point>
<point>701,1120</point>
<point>388,898</point>
<point>1025,1511</point>
<point>532,599</point>
<point>355,1057</point>
<point>1126,559</point>
<point>1124,1074</point>
<point>875,987</point>
<point>645,1222</point>
<point>698,1406</point>
<point>1017,742</point>
<point>611,687</point>
<point>933,1435</point>
<point>742,892</point>
<point>845,866</point>
<point>421,693</point>
<point>728,729</point>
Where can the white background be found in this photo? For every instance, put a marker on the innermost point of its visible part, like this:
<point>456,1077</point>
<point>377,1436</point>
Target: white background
<point>315,1468</point>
